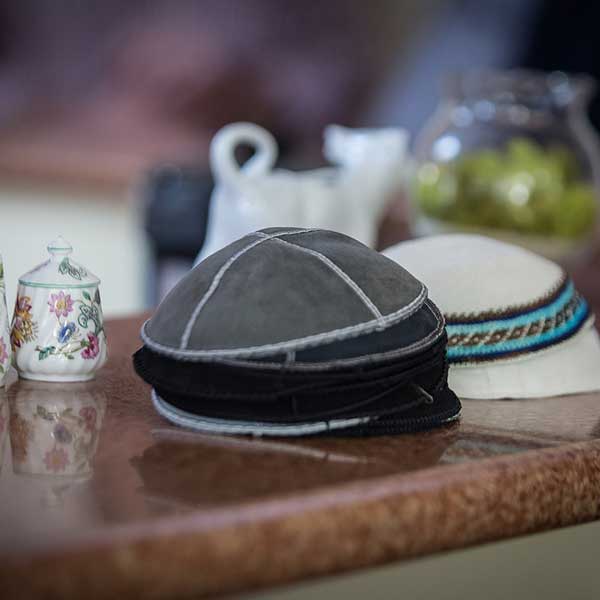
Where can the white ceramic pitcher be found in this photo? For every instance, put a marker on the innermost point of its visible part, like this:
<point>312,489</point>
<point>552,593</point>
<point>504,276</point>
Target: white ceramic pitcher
<point>370,164</point>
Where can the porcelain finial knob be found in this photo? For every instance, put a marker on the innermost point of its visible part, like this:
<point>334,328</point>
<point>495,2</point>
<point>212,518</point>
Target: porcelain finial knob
<point>59,247</point>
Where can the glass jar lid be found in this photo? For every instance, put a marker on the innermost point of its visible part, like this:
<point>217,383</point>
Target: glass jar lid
<point>59,270</point>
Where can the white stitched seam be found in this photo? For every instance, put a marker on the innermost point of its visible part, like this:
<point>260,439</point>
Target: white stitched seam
<point>185,338</point>
<point>341,274</point>
<point>296,344</point>
<point>184,419</point>
<point>428,340</point>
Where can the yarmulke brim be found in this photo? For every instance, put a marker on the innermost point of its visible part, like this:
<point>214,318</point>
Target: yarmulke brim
<point>410,337</point>
<point>421,417</point>
<point>571,367</point>
<point>283,394</point>
<point>233,427</point>
<point>395,395</point>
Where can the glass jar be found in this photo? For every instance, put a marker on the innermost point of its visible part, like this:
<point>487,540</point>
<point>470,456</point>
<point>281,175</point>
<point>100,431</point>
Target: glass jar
<point>512,155</point>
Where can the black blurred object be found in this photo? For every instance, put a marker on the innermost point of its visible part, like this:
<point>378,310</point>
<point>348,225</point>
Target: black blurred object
<point>564,37</point>
<point>177,205</point>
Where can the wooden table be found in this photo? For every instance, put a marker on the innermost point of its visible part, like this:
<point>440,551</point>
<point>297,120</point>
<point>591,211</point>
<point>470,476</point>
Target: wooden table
<point>155,511</point>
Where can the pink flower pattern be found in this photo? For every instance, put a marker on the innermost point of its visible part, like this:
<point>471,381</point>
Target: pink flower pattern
<point>60,304</point>
<point>92,348</point>
<point>24,304</point>
<point>56,459</point>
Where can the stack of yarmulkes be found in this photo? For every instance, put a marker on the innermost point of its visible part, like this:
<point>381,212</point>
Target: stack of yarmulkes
<point>298,332</point>
<point>517,326</point>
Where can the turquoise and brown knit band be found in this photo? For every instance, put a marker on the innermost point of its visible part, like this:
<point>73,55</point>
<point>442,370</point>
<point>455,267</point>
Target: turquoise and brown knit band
<point>502,334</point>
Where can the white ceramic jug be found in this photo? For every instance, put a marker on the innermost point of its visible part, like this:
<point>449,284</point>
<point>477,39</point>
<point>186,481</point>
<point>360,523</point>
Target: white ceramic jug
<point>349,197</point>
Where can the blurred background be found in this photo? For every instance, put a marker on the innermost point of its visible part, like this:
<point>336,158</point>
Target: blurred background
<point>107,110</point>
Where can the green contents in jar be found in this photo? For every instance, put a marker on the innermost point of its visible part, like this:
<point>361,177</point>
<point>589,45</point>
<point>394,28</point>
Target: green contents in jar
<point>523,187</point>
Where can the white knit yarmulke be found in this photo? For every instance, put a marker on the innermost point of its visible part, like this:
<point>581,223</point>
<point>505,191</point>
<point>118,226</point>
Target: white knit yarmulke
<point>517,327</point>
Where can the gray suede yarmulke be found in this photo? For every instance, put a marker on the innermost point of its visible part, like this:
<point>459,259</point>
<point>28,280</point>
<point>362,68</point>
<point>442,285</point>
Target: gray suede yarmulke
<point>328,288</point>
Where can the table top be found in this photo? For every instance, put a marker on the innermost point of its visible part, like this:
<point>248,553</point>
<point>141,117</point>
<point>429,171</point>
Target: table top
<point>135,507</point>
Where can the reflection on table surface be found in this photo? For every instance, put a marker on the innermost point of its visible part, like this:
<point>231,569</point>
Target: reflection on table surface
<point>78,459</point>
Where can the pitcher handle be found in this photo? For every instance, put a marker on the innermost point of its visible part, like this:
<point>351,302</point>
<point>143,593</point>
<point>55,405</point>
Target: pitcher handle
<point>223,163</point>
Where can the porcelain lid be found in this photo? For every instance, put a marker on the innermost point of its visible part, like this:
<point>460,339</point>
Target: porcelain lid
<point>59,270</point>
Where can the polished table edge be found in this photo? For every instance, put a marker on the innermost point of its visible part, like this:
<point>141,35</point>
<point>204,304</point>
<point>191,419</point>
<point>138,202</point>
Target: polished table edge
<point>330,530</point>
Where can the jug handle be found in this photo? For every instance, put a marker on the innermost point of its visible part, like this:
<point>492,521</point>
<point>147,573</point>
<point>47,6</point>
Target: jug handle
<point>223,163</point>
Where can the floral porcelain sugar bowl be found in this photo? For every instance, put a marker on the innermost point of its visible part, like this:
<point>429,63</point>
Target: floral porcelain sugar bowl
<point>57,329</point>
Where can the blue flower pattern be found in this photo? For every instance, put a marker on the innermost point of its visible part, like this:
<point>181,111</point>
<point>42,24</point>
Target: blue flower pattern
<point>65,333</point>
